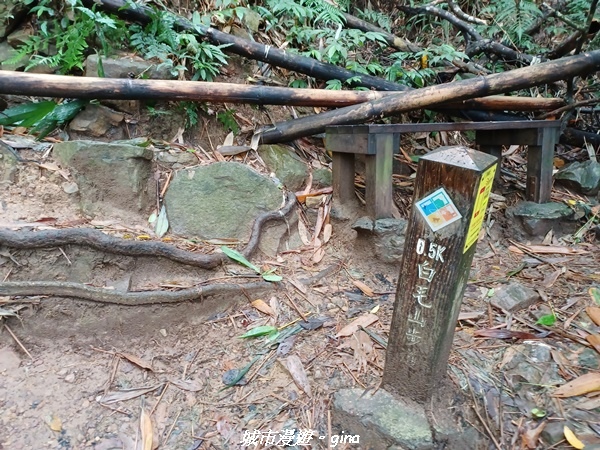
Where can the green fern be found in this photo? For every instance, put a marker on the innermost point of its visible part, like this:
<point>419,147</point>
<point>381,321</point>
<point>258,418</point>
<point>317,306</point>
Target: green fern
<point>511,18</point>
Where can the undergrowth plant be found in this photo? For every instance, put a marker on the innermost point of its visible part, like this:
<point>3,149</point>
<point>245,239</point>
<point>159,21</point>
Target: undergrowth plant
<point>65,32</point>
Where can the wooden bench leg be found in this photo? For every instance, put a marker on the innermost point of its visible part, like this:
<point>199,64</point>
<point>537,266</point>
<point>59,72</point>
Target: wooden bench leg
<point>490,149</point>
<point>342,166</point>
<point>378,175</point>
<point>539,167</point>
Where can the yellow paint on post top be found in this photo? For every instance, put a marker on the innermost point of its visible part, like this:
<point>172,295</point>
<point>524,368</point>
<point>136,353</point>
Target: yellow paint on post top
<point>481,201</point>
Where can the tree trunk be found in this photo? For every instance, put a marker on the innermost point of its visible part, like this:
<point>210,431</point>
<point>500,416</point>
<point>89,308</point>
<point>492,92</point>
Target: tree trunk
<point>498,83</point>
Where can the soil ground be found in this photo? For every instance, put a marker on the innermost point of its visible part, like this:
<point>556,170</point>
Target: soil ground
<point>86,375</point>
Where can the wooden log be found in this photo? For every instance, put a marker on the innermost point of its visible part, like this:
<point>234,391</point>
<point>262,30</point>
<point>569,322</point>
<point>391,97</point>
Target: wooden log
<point>450,198</point>
<point>60,86</point>
<point>506,103</point>
<point>432,96</point>
<point>274,56</point>
<point>19,83</point>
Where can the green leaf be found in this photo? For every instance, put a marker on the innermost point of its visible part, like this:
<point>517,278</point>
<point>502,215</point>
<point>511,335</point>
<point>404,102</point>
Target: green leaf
<point>547,320</point>
<point>264,330</point>
<point>271,277</point>
<point>152,218</point>
<point>60,114</point>
<point>538,413</point>
<point>237,256</point>
<point>27,114</point>
<point>595,293</point>
<point>162,223</point>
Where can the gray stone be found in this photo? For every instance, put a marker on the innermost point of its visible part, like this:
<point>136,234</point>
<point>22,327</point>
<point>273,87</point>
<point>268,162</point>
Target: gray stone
<point>126,67</point>
<point>11,13</point>
<point>553,432</point>
<point>582,176</point>
<point>251,19</point>
<point>221,200</point>
<point>286,165</point>
<point>19,37</point>
<point>279,236</point>
<point>99,122</point>
<point>8,167</point>
<point>381,420</point>
<point>386,236</point>
<point>514,297</point>
<point>538,218</point>
<point>113,179</point>
<point>177,160</point>
<point>6,53</point>
<point>322,177</point>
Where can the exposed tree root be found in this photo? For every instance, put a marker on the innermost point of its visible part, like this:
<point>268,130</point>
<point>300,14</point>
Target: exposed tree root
<point>104,242</point>
<point>94,294</point>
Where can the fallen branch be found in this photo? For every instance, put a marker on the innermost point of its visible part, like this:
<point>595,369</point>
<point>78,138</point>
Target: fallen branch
<point>432,96</point>
<point>104,242</point>
<point>94,294</point>
<point>266,53</point>
<point>18,83</point>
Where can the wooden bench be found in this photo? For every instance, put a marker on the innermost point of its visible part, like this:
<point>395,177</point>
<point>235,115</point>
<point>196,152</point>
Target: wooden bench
<point>379,143</point>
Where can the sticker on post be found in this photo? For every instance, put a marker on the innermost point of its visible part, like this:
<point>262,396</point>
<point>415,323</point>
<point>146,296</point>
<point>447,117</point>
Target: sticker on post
<point>481,201</point>
<point>438,209</point>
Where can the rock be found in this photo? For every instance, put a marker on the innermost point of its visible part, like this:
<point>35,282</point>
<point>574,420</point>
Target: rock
<point>582,176</point>
<point>177,160</point>
<point>286,165</point>
<point>113,179</point>
<point>6,53</point>
<point>99,122</point>
<point>280,236</point>
<point>11,14</point>
<point>322,177</point>
<point>9,359</point>
<point>69,187</point>
<point>19,37</point>
<point>538,218</point>
<point>126,67</point>
<point>514,297</point>
<point>386,236</point>
<point>221,200</point>
<point>70,378</point>
<point>314,201</point>
<point>553,432</point>
<point>8,167</point>
<point>251,19</point>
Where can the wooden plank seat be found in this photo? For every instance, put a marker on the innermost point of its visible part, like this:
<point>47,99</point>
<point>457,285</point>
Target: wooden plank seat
<point>379,143</point>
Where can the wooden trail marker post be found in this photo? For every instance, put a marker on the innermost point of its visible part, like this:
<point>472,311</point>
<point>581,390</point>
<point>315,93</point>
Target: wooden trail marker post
<point>450,198</point>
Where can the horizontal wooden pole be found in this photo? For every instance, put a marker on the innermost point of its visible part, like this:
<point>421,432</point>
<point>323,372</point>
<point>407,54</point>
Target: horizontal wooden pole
<point>60,86</point>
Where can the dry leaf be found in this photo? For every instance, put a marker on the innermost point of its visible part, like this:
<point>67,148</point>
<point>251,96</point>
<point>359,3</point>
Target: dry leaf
<point>531,437</point>
<point>594,313</point>
<point>589,404</point>
<point>572,439</point>
<point>128,394</point>
<point>363,321</point>
<point>263,307</point>
<point>55,423</point>
<point>589,382</point>
<point>318,255</point>
<point>327,231</point>
<point>228,139</point>
<point>364,288</point>
<point>551,279</point>
<point>594,340</point>
<point>303,232</point>
<point>296,369</point>
<point>547,250</point>
<point>190,386</point>
<point>146,430</point>
<point>137,361</point>
<point>470,315</point>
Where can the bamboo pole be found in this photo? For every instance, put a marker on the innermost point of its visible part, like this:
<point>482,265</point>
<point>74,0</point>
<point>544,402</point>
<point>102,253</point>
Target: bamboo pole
<point>433,96</point>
